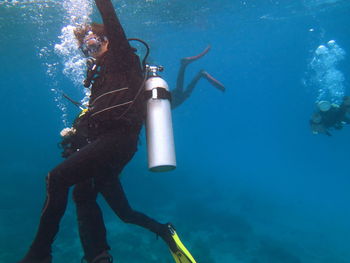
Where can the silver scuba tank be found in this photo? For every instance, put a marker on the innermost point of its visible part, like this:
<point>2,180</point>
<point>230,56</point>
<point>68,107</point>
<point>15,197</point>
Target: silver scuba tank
<point>159,128</point>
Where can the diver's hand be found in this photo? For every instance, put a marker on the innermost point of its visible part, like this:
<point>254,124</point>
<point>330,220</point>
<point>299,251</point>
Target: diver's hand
<point>68,132</point>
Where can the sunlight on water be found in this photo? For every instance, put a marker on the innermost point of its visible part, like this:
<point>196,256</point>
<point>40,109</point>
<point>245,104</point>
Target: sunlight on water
<point>326,77</point>
<point>25,2</point>
<point>27,7</point>
<point>314,3</point>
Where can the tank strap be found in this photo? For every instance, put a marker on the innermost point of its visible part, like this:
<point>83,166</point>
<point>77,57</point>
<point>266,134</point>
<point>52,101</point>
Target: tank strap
<point>158,93</point>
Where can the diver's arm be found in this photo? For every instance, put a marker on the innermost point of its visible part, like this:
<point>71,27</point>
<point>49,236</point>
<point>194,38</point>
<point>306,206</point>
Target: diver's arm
<point>114,30</point>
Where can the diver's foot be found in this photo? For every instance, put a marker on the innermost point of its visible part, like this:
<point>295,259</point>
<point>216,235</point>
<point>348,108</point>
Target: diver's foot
<point>167,236</point>
<point>187,60</point>
<point>28,259</point>
<point>217,84</point>
<point>104,257</point>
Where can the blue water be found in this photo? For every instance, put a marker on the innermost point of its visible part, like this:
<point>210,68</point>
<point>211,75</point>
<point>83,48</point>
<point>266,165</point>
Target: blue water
<point>253,184</point>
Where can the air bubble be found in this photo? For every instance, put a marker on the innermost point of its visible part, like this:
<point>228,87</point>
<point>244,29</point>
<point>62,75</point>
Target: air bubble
<point>328,79</point>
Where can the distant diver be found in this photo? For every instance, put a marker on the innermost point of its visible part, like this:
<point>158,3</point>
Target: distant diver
<point>330,116</point>
<point>110,129</point>
<point>179,94</point>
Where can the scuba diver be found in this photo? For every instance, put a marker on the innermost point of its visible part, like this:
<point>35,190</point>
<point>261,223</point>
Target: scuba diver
<point>330,116</point>
<point>109,131</point>
<point>92,229</point>
<point>91,226</point>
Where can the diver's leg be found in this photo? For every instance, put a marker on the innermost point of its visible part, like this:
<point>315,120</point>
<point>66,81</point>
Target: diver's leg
<point>207,76</point>
<point>178,93</point>
<point>192,85</point>
<point>114,194</point>
<point>217,84</point>
<point>92,160</point>
<point>92,230</point>
<point>188,60</point>
<point>54,207</point>
<point>184,63</point>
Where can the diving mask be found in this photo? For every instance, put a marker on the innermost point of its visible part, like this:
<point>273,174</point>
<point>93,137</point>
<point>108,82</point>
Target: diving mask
<point>91,44</point>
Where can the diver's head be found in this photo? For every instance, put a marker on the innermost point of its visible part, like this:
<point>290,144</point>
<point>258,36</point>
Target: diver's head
<point>92,40</point>
<point>324,105</point>
<point>93,45</point>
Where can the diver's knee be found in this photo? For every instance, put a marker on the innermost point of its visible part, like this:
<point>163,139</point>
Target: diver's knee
<point>49,179</point>
<point>54,181</point>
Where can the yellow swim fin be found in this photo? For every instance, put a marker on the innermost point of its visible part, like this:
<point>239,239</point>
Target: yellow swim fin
<point>182,255</point>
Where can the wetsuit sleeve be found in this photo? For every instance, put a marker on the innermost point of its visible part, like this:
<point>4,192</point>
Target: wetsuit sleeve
<point>118,42</point>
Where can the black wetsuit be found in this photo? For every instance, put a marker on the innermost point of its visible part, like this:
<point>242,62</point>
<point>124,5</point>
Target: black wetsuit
<point>334,118</point>
<point>112,126</point>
